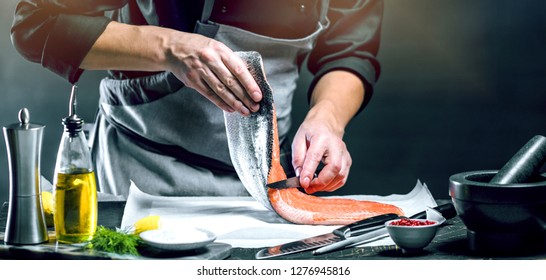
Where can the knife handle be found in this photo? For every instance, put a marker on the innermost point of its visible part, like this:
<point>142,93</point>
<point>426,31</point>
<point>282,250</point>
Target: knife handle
<point>365,225</point>
<point>447,210</point>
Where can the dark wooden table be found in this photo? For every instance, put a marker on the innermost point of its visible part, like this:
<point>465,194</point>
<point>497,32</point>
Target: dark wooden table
<point>450,243</point>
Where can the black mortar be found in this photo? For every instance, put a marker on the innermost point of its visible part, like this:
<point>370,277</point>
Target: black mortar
<point>500,219</point>
<point>505,210</point>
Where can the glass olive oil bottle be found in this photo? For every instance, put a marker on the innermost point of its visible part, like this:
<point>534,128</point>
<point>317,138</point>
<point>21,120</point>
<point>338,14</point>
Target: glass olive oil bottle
<point>75,189</point>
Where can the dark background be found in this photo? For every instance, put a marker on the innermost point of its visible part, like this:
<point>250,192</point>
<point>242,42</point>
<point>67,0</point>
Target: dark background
<point>463,87</point>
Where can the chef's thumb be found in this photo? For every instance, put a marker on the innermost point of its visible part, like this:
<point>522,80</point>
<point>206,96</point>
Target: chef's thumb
<point>299,150</point>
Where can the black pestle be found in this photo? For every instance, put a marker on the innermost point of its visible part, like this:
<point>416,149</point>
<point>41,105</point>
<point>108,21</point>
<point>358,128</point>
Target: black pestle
<point>525,164</point>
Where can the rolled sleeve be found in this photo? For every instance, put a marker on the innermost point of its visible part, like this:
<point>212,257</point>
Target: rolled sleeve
<point>350,43</point>
<point>65,58</point>
<point>59,34</point>
<point>361,68</point>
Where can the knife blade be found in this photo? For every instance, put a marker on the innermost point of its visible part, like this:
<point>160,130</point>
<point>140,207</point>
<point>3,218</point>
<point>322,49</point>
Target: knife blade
<point>293,182</point>
<point>336,235</point>
<point>370,226</point>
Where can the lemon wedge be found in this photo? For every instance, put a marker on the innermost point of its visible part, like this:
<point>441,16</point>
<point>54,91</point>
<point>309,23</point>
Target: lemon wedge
<point>147,223</point>
<point>49,207</point>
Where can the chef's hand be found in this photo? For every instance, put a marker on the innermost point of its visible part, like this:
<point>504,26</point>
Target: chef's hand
<point>335,100</point>
<point>215,71</point>
<point>203,64</point>
<point>316,141</point>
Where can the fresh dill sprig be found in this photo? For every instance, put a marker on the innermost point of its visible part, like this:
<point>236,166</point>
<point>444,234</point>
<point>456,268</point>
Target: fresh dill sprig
<point>115,241</point>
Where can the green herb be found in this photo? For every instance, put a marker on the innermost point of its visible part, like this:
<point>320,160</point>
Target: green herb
<point>115,241</point>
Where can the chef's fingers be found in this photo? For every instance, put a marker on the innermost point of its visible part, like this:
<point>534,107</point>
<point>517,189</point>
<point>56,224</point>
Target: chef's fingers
<point>232,73</point>
<point>337,171</point>
<point>334,161</point>
<point>228,84</point>
<point>344,174</point>
<point>204,81</point>
<point>314,155</point>
<point>227,74</point>
<point>335,185</point>
<point>222,70</point>
<point>240,71</point>
<point>223,92</point>
<point>208,93</point>
<point>299,149</point>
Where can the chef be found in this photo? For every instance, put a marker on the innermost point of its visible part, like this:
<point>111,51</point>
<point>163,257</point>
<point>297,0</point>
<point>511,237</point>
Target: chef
<point>172,70</point>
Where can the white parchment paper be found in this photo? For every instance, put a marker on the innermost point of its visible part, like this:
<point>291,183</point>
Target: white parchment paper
<point>244,222</point>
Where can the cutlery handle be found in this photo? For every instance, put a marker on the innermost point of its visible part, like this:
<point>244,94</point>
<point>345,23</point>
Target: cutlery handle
<point>363,226</point>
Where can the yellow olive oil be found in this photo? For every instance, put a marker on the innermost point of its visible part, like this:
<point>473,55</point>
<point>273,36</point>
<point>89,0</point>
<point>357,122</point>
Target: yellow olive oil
<point>75,200</point>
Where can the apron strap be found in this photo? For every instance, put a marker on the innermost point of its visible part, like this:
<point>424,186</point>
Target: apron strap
<point>203,26</point>
<point>325,5</point>
<point>207,10</point>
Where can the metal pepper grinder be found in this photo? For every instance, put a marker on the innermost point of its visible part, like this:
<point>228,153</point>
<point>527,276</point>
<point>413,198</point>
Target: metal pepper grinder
<point>25,222</point>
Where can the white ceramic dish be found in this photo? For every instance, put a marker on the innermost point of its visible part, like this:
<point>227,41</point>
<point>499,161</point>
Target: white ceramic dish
<point>178,239</point>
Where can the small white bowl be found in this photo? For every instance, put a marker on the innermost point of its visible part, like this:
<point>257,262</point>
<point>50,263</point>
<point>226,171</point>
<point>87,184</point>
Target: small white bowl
<point>178,239</point>
<point>412,238</point>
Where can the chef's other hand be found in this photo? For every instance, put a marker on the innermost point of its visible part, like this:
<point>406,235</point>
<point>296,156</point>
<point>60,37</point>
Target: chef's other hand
<point>315,142</point>
<point>216,72</point>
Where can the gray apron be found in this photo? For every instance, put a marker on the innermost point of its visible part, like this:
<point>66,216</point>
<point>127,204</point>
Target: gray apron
<point>170,140</point>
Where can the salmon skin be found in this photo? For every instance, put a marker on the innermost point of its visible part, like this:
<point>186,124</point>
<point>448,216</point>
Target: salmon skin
<point>250,138</point>
<point>255,153</point>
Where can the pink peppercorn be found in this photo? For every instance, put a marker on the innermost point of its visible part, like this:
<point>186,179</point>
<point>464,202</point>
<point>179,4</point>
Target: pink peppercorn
<point>410,222</point>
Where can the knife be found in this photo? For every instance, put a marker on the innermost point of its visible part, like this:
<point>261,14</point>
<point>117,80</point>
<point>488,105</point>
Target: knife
<point>447,211</point>
<point>353,229</point>
<point>370,226</point>
<point>293,182</point>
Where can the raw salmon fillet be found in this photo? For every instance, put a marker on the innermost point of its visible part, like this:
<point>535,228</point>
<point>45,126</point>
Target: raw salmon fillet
<point>254,149</point>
